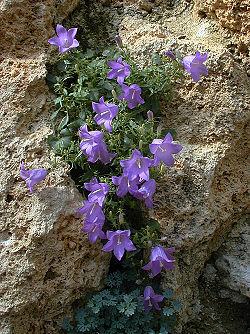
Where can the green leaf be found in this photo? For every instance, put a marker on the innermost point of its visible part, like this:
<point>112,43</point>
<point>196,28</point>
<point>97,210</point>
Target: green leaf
<point>52,78</point>
<point>56,143</point>
<point>168,294</point>
<point>108,86</point>
<point>64,122</point>
<point>66,325</point>
<point>54,114</point>
<point>177,305</point>
<point>74,126</point>
<point>61,66</point>
<point>154,225</point>
<point>164,132</point>
<point>90,53</point>
<point>168,311</point>
<point>156,59</point>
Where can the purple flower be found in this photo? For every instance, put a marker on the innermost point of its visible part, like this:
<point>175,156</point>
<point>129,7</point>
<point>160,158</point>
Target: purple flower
<point>98,191</point>
<point>34,176</point>
<point>170,54</point>
<point>105,113</point>
<point>132,94</point>
<point>118,242</point>
<point>94,229</point>
<point>146,192</point>
<point>100,152</point>
<point>151,299</point>
<point>194,65</point>
<point>163,150</point>
<point>124,185</point>
<point>90,139</point>
<point>92,211</point>
<point>65,39</point>
<point>119,70</point>
<point>160,257</point>
<point>137,166</point>
<point>119,41</point>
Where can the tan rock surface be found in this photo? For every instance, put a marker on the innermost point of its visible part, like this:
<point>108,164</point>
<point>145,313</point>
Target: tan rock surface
<point>206,193</point>
<point>46,262</point>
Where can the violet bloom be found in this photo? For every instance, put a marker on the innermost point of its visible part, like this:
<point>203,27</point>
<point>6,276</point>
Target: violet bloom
<point>170,54</point>
<point>90,139</point>
<point>124,185</point>
<point>163,150</point>
<point>132,94</point>
<point>100,152</point>
<point>146,192</point>
<point>137,166</point>
<point>92,211</point>
<point>32,177</point>
<point>119,70</point>
<point>65,40</point>
<point>194,65</point>
<point>118,242</point>
<point>151,299</point>
<point>105,113</point>
<point>98,191</point>
<point>160,257</point>
<point>94,229</point>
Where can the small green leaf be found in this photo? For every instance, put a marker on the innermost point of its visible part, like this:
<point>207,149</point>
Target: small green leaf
<point>52,78</point>
<point>56,143</point>
<point>156,59</point>
<point>64,122</point>
<point>54,114</point>
<point>168,293</point>
<point>177,305</point>
<point>154,225</point>
<point>167,311</point>
<point>108,86</point>
<point>90,53</point>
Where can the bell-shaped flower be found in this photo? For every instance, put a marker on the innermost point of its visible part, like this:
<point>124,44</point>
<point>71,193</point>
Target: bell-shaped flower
<point>100,152</point>
<point>119,242</point>
<point>98,191</point>
<point>92,211</point>
<point>65,40</point>
<point>160,257</point>
<point>163,150</point>
<point>105,113</point>
<point>90,139</point>
<point>119,70</point>
<point>132,94</point>
<point>118,41</point>
<point>151,299</point>
<point>94,229</point>
<point>194,65</point>
<point>33,176</point>
<point>137,166</point>
<point>124,185</point>
<point>146,192</point>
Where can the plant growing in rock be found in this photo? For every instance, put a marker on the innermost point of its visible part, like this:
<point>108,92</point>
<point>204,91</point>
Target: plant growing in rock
<point>110,136</point>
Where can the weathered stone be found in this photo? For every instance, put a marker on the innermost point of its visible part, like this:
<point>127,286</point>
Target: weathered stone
<point>199,198</point>
<point>46,261</point>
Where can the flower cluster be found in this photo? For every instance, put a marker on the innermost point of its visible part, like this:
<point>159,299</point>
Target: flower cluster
<point>136,176</point>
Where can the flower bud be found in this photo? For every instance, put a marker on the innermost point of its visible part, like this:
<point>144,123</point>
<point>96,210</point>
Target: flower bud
<point>150,115</point>
<point>158,130</point>
<point>140,144</point>
<point>170,54</point>
<point>162,168</point>
<point>150,243</point>
<point>118,41</point>
<point>163,239</point>
<point>138,282</point>
<point>121,218</point>
<point>114,94</point>
<point>142,130</point>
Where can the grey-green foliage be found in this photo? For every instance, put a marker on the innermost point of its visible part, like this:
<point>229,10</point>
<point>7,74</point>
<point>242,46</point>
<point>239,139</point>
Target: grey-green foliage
<point>118,310</point>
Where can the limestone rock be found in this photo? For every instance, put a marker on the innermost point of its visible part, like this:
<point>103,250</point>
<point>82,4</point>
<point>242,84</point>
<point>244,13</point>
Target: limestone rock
<point>46,261</point>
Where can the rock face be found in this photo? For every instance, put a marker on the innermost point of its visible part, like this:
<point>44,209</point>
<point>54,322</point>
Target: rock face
<point>206,193</point>
<point>47,263</point>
